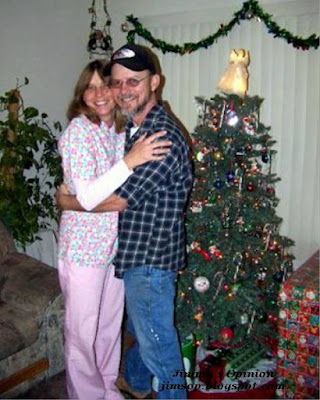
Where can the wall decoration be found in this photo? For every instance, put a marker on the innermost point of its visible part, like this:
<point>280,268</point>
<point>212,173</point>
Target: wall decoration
<point>100,40</point>
<point>250,9</point>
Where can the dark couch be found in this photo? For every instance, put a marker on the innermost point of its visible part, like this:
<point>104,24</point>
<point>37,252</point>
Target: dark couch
<point>31,320</point>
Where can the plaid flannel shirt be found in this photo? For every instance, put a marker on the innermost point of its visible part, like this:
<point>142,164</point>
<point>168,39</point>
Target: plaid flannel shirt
<point>151,229</point>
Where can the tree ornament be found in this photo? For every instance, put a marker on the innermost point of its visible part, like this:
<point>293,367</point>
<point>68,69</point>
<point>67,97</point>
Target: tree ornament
<point>226,335</point>
<point>250,187</point>
<point>217,155</point>
<point>230,176</point>
<point>273,245</point>
<point>278,276</point>
<point>226,223</point>
<point>205,255</point>
<point>254,167</point>
<point>265,156</point>
<point>201,284</point>
<point>256,261</point>
<point>198,317</point>
<point>244,319</point>
<point>235,77</point>
<point>270,190</point>
<point>200,156</point>
<point>218,184</point>
<point>251,322</point>
<point>231,118</point>
<point>215,252</point>
<point>247,227</point>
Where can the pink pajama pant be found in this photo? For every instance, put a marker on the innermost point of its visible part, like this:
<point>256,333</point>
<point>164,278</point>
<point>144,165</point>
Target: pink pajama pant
<point>94,301</point>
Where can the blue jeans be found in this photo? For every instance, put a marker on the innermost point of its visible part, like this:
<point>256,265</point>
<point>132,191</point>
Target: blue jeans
<point>150,294</point>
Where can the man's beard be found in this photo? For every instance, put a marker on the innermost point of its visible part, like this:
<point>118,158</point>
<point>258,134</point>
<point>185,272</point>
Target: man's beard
<point>138,110</point>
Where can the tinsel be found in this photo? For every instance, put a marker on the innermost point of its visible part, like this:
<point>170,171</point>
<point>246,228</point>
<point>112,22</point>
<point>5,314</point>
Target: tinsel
<point>250,9</point>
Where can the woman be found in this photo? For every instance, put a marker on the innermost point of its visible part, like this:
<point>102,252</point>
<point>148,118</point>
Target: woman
<point>92,149</point>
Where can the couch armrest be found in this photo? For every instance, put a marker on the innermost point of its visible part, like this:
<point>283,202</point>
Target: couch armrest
<point>28,284</point>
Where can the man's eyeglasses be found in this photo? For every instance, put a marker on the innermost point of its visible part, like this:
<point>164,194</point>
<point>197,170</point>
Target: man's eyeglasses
<point>130,82</point>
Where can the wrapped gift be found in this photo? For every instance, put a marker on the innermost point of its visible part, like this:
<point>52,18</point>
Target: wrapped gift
<point>212,370</point>
<point>188,354</point>
<point>298,344</point>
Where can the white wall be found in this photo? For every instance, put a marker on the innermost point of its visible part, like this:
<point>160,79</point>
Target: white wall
<point>45,40</point>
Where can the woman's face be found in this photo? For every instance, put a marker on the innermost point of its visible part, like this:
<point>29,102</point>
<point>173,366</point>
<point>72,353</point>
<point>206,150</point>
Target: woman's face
<point>99,97</point>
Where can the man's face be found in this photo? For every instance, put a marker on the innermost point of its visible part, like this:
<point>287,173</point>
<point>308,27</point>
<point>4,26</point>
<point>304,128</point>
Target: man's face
<point>133,90</point>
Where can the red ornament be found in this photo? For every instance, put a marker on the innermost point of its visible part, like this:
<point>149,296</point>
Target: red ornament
<point>195,246</point>
<point>271,190</point>
<point>205,255</point>
<point>226,334</point>
<point>215,252</point>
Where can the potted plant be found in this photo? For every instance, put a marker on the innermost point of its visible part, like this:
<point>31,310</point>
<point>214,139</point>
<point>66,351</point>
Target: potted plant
<point>30,168</point>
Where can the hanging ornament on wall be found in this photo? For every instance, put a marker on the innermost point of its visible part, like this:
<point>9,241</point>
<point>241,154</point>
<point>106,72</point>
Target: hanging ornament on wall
<point>125,27</point>
<point>100,41</point>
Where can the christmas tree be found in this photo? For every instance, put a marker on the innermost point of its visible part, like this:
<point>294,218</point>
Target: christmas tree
<point>237,259</point>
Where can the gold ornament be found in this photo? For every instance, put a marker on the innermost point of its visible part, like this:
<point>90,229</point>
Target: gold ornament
<point>198,317</point>
<point>217,155</point>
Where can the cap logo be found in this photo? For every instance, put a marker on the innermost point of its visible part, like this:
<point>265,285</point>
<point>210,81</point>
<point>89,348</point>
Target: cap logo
<point>124,53</point>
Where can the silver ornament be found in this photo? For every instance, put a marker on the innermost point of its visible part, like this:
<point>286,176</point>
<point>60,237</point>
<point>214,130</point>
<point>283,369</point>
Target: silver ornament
<point>201,284</point>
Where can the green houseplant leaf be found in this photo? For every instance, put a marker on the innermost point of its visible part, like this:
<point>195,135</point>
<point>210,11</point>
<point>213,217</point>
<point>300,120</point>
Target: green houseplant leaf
<point>30,167</point>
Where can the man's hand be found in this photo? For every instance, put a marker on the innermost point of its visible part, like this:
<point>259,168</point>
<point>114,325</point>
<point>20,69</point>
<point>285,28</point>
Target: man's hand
<point>66,201</point>
<point>147,149</point>
<point>112,203</point>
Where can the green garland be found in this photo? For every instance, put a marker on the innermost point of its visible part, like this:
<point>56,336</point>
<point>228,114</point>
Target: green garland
<point>249,10</point>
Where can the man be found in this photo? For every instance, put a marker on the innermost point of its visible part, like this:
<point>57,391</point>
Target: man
<point>151,228</point>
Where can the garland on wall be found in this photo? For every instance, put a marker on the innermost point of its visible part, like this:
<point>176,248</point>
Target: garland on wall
<point>250,9</point>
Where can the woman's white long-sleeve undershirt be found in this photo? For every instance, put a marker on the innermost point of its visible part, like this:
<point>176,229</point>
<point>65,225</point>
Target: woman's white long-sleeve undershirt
<point>90,193</point>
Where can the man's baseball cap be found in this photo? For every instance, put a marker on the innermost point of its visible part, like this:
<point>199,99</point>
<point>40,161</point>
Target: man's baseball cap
<point>133,57</point>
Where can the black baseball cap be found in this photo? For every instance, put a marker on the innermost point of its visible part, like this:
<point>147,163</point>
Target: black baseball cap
<point>134,57</point>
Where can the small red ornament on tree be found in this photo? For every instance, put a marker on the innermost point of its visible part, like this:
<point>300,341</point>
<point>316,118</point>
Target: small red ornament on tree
<point>195,247</point>
<point>227,335</point>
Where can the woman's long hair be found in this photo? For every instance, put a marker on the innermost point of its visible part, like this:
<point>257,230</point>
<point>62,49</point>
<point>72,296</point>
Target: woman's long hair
<point>78,106</point>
